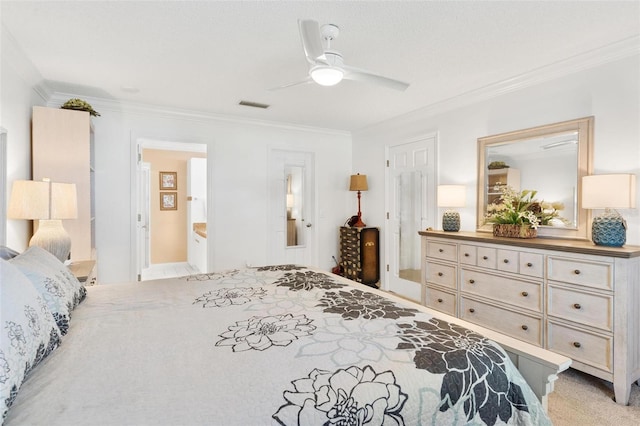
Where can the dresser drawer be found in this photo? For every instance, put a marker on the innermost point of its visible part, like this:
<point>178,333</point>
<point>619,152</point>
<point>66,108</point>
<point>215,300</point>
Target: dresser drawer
<point>467,254</point>
<point>486,257</point>
<point>589,348</point>
<point>593,274</point>
<point>444,275</point>
<point>589,309</point>
<point>531,264</point>
<point>514,324</point>
<point>441,300</point>
<point>507,261</point>
<point>524,294</point>
<point>443,251</point>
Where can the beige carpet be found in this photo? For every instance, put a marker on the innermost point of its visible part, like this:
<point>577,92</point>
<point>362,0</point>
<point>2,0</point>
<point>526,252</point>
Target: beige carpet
<point>581,399</point>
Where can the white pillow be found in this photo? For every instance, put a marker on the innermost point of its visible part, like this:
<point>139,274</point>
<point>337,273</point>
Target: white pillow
<point>53,280</point>
<point>28,332</point>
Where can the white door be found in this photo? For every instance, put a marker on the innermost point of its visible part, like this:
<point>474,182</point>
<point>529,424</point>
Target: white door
<point>291,208</point>
<point>144,171</point>
<point>411,203</point>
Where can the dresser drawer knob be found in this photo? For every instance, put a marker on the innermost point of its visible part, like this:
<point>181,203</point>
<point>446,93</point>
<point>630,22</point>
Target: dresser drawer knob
<point>440,274</point>
<point>577,271</point>
<point>440,300</point>
<point>524,294</point>
<point>467,255</point>
<point>525,327</point>
<point>440,250</point>
<point>472,310</point>
<point>529,264</point>
<point>484,258</point>
<point>506,260</point>
<point>472,281</point>
<point>577,306</point>
<point>577,344</point>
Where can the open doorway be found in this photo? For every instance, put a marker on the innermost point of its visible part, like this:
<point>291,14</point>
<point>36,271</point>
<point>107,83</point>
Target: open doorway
<point>172,213</point>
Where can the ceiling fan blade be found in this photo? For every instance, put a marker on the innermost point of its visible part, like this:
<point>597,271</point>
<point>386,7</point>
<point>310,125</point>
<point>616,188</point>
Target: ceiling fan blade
<point>311,41</point>
<point>357,74</point>
<point>297,83</point>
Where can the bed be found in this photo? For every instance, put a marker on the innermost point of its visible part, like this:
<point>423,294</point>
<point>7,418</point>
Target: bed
<point>282,344</point>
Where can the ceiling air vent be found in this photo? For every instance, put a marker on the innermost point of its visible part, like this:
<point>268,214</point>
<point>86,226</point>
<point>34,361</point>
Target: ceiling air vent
<point>254,104</point>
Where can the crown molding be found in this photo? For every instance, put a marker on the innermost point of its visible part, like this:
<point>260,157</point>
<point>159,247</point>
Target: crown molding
<point>23,67</point>
<point>591,59</point>
<point>117,106</point>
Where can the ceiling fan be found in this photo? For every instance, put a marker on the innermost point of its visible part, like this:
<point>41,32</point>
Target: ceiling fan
<point>326,66</point>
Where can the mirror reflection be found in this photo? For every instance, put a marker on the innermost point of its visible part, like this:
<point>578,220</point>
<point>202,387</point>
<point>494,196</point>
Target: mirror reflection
<point>409,204</point>
<point>547,165</point>
<point>550,160</point>
<point>294,205</point>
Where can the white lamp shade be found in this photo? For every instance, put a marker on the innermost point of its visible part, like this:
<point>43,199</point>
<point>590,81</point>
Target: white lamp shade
<point>29,200</point>
<point>451,195</point>
<point>616,191</point>
<point>64,201</point>
<point>33,200</point>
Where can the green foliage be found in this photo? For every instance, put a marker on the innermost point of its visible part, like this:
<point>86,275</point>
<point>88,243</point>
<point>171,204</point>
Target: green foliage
<point>80,105</point>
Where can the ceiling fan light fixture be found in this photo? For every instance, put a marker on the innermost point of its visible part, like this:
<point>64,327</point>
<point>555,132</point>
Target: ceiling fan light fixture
<point>327,76</point>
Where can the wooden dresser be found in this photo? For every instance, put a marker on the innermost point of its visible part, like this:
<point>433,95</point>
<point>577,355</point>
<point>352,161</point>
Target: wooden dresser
<point>568,296</point>
<point>359,254</point>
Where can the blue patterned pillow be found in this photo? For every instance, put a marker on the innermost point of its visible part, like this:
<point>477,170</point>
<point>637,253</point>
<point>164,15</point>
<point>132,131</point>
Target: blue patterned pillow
<point>53,280</point>
<point>28,332</point>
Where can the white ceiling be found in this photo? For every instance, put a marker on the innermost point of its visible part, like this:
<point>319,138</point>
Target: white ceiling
<point>207,56</point>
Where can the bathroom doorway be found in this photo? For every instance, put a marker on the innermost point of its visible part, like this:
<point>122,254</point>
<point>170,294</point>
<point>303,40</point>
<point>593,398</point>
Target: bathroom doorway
<point>171,220</point>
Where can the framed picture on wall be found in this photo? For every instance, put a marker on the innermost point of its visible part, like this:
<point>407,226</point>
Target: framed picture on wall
<point>168,201</point>
<point>168,180</point>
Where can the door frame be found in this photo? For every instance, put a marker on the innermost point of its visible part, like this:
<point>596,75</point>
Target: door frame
<point>137,144</point>
<point>388,235</point>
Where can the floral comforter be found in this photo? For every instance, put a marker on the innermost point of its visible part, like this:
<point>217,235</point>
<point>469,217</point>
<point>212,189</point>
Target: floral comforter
<point>283,344</point>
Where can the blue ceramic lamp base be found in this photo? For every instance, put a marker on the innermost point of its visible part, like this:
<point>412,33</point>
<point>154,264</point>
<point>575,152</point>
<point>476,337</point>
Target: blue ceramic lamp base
<point>609,229</point>
<point>451,221</point>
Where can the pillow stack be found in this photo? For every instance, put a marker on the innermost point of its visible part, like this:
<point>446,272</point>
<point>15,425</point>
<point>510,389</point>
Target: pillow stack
<point>37,295</point>
<point>53,280</point>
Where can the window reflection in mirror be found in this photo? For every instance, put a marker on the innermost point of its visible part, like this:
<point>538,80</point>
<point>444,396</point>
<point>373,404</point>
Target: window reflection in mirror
<point>547,165</point>
<point>294,205</point>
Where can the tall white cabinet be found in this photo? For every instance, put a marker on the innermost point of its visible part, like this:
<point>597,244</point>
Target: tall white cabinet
<point>62,150</point>
<point>568,296</point>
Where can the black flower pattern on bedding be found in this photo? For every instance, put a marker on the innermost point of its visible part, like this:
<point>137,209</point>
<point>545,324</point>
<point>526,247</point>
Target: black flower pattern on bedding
<point>307,280</point>
<point>353,304</point>
<point>211,276</point>
<point>474,369</point>
<point>275,268</point>
<point>260,333</point>
<point>351,396</point>
<point>229,296</point>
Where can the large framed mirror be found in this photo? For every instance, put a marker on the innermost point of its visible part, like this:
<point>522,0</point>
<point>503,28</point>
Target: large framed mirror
<point>549,159</point>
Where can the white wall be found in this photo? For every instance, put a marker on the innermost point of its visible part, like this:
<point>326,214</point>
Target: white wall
<point>18,78</point>
<point>237,154</point>
<point>610,92</point>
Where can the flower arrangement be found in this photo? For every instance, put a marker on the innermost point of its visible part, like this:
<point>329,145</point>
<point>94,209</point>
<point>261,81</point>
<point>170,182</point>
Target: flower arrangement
<point>550,214</point>
<point>515,208</point>
<point>521,208</point>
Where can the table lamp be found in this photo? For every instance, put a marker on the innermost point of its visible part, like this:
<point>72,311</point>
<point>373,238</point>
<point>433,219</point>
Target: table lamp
<point>609,192</point>
<point>358,183</point>
<point>47,202</point>
<point>450,196</point>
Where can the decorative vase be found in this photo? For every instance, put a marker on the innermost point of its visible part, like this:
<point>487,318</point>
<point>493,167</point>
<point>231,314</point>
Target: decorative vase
<point>514,231</point>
